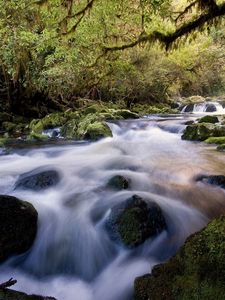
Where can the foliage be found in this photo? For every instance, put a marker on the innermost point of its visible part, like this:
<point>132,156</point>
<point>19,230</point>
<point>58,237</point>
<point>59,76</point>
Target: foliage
<point>64,49</point>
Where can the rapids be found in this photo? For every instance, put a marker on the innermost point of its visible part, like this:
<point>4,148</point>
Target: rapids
<point>72,257</point>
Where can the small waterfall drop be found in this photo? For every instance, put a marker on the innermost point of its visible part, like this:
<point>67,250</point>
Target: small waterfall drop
<point>204,107</point>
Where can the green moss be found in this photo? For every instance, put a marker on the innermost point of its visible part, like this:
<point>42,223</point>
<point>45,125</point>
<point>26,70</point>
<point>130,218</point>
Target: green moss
<point>216,140</point>
<point>37,137</point>
<point>197,271</point>
<point>203,131</point>
<point>221,147</point>
<point>49,121</point>
<point>97,131</point>
<point>209,119</point>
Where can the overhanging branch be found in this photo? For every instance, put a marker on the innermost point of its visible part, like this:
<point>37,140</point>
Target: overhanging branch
<point>169,39</point>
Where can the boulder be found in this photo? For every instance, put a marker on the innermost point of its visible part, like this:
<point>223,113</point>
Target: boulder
<point>18,222</point>
<point>118,182</point>
<point>197,271</point>
<point>209,119</point>
<point>217,180</point>
<point>134,221</point>
<point>216,140</point>
<point>97,131</point>
<point>221,148</point>
<point>7,294</point>
<point>202,131</point>
<point>38,180</point>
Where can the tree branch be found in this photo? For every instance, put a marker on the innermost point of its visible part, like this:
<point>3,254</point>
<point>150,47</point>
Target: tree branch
<point>7,284</point>
<point>169,39</point>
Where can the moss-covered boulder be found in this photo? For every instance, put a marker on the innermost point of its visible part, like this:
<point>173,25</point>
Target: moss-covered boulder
<point>96,131</point>
<point>197,271</point>
<point>134,221</point>
<point>38,180</point>
<point>217,180</point>
<point>202,131</point>
<point>48,122</point>
<point>209,119</point>
<point>18,223</point>
<point>216,140</point>
<point>7,294</point>
<point>37,137</point>
<point>221,148</point>
<point>118,182</point>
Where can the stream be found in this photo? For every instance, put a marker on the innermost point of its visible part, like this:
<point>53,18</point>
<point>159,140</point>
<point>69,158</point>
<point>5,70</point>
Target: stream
<point>73,257</point>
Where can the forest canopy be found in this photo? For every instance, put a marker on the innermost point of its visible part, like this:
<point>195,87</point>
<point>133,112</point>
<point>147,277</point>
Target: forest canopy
<point>111,50</point>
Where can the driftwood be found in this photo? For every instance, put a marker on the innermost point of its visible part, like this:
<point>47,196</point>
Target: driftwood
<point>7,284</point>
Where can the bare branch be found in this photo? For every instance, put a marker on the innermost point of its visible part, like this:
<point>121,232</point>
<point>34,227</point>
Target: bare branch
<point>7,284</point>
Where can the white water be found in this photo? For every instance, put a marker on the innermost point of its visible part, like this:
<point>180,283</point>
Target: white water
<point>72,257</point>
<point>205,107</point>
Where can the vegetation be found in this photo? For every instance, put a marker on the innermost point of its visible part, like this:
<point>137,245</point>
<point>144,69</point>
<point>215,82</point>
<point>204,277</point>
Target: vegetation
<point>60,50</point>
<point>195,272</point>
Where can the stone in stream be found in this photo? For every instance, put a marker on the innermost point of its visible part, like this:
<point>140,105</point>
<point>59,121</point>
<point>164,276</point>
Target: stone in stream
<point>118,182</point>
<point>209,119</point>
<point>202,131</point>
<point>217,180</point>
<point>38,180</point>
<point>197,271</point>
<point>134,221</point>
<point>18,223</point>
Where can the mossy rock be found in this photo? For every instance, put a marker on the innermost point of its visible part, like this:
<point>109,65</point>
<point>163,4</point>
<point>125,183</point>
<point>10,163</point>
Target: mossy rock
<point>125,114</point>
<point>8,294</point>
<point>37,137</point>
<point>18,222</point>
<point>97,130</point>
<point>95,108</point>
<point>118,182</point>
<point>202,131</point>
<point>48,122</point>
<point>221,148</point>
<point>216,140</point>
<point>197,271</point>
<point>134,221</point>
<point>209,119</point>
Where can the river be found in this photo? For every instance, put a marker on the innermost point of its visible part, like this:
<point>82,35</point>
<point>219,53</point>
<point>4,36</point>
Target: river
<point>73,257</point>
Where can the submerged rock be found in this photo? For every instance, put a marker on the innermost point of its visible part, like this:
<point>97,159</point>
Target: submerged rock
<point>118,182</point>
<point>18,223</point>
<point>134,221</point>
<point>38,180</point>
<point>217,180</point>
<point>197,271</point>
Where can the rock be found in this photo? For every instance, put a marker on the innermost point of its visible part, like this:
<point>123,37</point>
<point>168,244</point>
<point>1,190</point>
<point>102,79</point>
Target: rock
<point>134,221</point>
<point>48,122</point>
<point>126,114</point>
<point>37,137</point>
<point>18,222</point>
<point>190,122</point>
<point>221,147</point>
<point>216,140</point>
<point>14,295</point>
<point>210,108</point>
<point>209,119</point>
<point>96,131</point>
<point>202,131</point>
<point>118,182</point>
<point>188,108</point>
<point>217,180</point>
<point>197,271</point>
<point>38,180</point>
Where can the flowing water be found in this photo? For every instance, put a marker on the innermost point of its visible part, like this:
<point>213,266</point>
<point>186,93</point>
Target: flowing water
<point>73,257</point>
